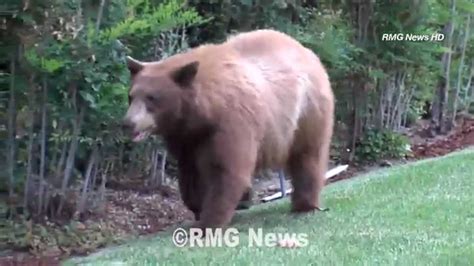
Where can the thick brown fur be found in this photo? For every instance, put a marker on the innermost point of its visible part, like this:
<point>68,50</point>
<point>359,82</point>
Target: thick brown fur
<point>258,101</point>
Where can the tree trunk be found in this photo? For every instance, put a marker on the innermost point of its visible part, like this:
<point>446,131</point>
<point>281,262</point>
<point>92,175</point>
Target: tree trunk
<point>406,106</point>
<point>444,84</point>
<point>29,166</point>
<point>399,85</point>
<point>60,164</point>
<point>99,14</point>
<point>102,191</point>
<point>70,159</point>
<point>163,165</point>
<point>355,125</point>
<point>57,147</point>
<point>153,167</point>
<point>460,71</point>
<point>43,145</point>
<point>95,170</point>
<point>92,161</point>
<point>12,130</point>
<point>469,90</point>
<point>381,105</point>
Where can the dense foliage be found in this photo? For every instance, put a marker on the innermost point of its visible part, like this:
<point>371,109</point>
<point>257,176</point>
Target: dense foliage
<point>376,144</point>
<point>64,83</point>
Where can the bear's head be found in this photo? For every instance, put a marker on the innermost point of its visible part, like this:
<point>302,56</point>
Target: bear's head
<point>156,96</point>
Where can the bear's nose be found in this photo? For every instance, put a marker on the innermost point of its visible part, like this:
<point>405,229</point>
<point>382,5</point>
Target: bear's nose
<point>127,125</point>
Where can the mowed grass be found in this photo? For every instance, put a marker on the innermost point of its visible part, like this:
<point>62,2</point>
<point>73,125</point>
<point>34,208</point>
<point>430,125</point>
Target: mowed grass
<point>416,214</point>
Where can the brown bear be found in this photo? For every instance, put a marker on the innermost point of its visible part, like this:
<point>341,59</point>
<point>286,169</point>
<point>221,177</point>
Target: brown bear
<point>259,100</point>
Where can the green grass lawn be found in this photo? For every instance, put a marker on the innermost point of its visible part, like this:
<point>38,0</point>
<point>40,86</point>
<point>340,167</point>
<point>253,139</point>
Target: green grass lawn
<point>415,214</point>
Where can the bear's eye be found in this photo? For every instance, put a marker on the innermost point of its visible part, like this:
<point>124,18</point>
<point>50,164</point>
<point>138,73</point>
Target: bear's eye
<point>151,98</point>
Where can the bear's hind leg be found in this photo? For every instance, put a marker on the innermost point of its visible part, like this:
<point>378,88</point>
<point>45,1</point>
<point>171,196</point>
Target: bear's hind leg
<point>307,176</point>
<point>309,155</point>
<point>307,169</point>
<point>246,200</point>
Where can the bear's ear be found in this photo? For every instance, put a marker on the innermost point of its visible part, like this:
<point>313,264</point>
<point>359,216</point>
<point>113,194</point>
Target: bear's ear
<point>184,75</point>
<point>134,66</point>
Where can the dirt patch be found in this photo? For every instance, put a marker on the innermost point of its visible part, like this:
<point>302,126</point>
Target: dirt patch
<point>129,212</point>
<point>460,137</point>
<point>146,212</point>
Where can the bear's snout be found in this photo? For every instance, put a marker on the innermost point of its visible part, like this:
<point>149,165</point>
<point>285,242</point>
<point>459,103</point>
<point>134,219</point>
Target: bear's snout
<point>134,131</point>
<point>127,125</point>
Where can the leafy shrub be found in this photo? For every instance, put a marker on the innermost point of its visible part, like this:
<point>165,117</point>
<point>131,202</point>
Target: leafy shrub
<point>381,144</point>
<point>412,116</point>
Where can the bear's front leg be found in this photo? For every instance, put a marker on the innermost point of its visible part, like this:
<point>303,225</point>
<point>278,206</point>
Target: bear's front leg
<point>190,186</point>
<point>221,200</point>
<point>226,167</point>
<point>189,195</point>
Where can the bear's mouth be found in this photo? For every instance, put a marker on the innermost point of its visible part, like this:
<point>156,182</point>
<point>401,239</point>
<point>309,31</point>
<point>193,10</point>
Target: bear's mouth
<point>140,135</point>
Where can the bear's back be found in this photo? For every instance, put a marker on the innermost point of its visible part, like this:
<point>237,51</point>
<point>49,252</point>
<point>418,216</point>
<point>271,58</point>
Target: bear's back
<point>264,78</point>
